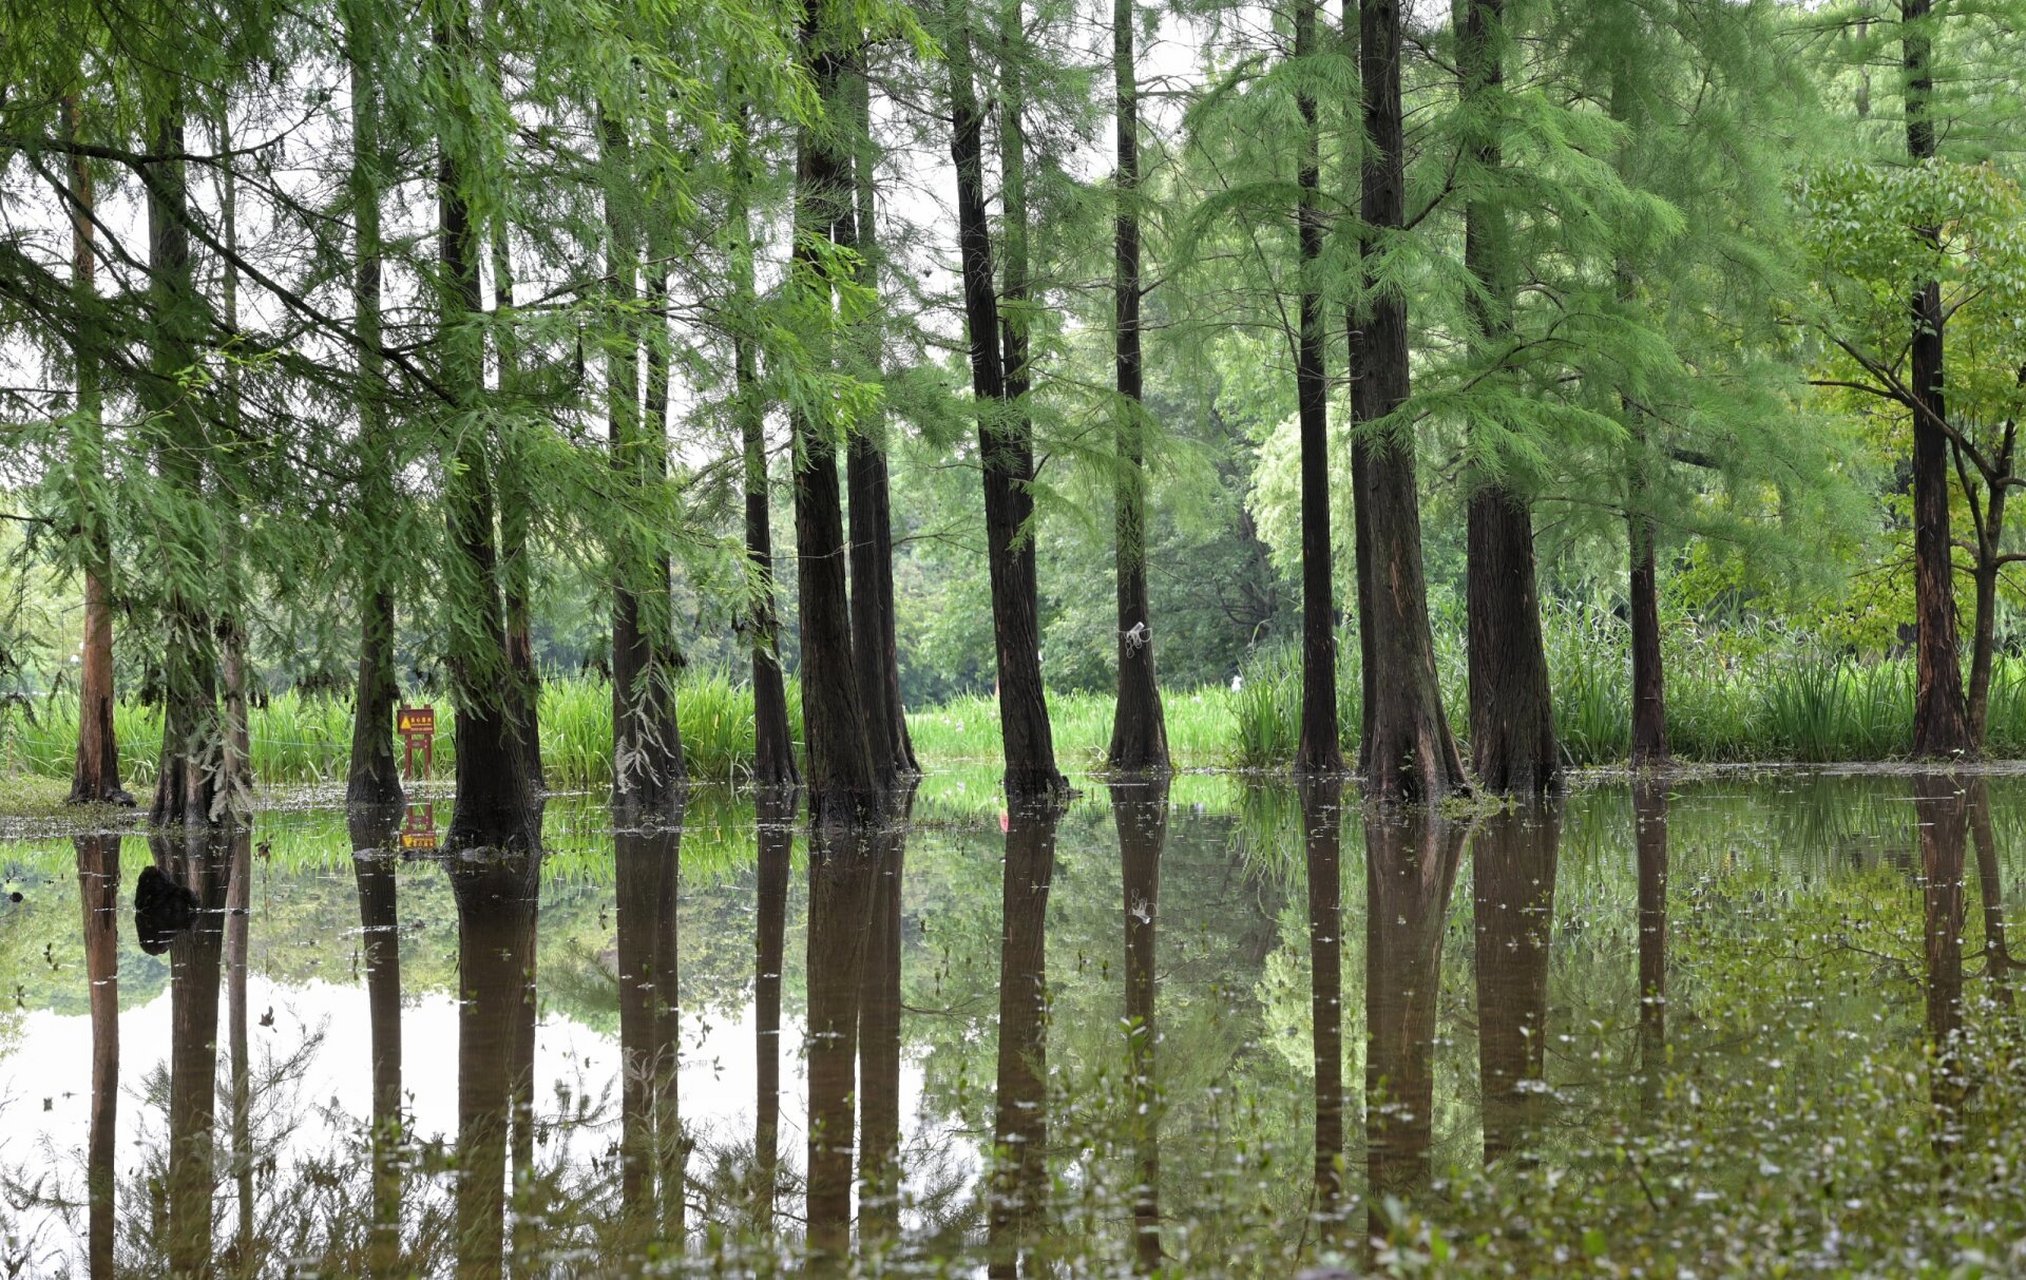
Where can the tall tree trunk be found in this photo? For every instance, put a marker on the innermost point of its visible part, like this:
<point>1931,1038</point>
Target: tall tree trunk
<point>842,871</point>
<point>773,746</point>
<point>1408,753</point>
<point>1017,1183</point>
<point>1512,719</point>
<point>1649,689</point>
<point>1320,748</point>
<point>1941,718</point>
<point>374,860</point>
<point>1139,730</point>
<point>497,756</point>
<point>879,1034</point>
<point>98,882</point>
<point>1141,815</point>
<point>372,779</point>
<point>1322,821</point>
<point>875,644</point>
<point>1410,867</point>
<point>235,774</point>
<point>1005,443</point>
<point>1513,884</point>
<point>95,779</point>
<point>842,772</point>
<point>647,764</point>
<point>192,730</point>
<point>1989,522</point>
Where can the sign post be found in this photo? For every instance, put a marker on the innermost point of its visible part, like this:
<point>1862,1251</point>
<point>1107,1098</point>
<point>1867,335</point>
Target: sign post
<point>416,725</point>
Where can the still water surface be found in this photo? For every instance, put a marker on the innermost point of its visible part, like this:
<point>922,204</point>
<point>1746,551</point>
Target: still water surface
<point>1713,1027</point>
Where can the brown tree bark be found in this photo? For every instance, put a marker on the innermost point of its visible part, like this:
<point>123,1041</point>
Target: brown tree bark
<point>1408,753</point>
<point>1410,867</point>
<point>1513,883</point>
<point>842,773</point>
<point>1322,821</point>
<point>647,763</point>
<point>1017,1181</point>
<point>1318,749</point>
<point>1139,732</point>
<point>1005,441</point>
<point>193,745</point>
<point>98,882</point>
<point>372,779</point>
<point>95,777</point>
<point>1941,718</point>
<point>1512,718</point>
<point>1649,687</point>
<point>498,758</point>
<point>773,745</point>
<point>1140,812</point>
<point>875,646</point>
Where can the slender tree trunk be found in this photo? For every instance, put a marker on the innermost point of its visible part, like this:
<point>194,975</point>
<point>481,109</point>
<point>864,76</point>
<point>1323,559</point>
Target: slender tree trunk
<point>1941,718</point>
<point>1649,689</point>
<point>1512,720</point>
<point>875,645</point>
<point>1017,1182</point>
<point>1408,751</point>
<point>842,772</point>
<point>1989,521</point>
<point>1141,815</point>
<point>1320,749</point>
<point>372,779</point>
<point>498,805</point>
<point>1005,443</point>
<point>1322,821</point>
<point>1410,867</point>
<point>373,867</point>
<point>647,764</point>
<point>236,771</point>
<point>192,731</point>
<point>773,746</point>
<point>1139,731</point>
<point>95,778</point>
<point>1513,883</point>
<point>98,882</point>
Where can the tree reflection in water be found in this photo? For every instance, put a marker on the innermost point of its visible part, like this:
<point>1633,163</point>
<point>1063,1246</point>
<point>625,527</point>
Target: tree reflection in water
<point>1017,1186</point>
<point>647,864</point>
<point>1140,812</point>
<point>1322,843</point>
<point>98,882</point>
<point>1513,888</point>
<point>1411,859</point>
<point>373,833</point>
<point>1649,817</point>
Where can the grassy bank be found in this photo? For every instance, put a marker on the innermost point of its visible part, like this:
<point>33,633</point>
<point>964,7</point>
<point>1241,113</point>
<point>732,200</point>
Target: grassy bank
<point>1727,701</point>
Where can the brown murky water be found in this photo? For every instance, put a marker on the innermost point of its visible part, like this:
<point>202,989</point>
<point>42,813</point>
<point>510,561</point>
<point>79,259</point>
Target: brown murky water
<point>1717,1027</point>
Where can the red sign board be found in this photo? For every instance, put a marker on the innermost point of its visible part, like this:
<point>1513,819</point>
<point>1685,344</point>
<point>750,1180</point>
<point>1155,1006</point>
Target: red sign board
<point>417,727</point>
